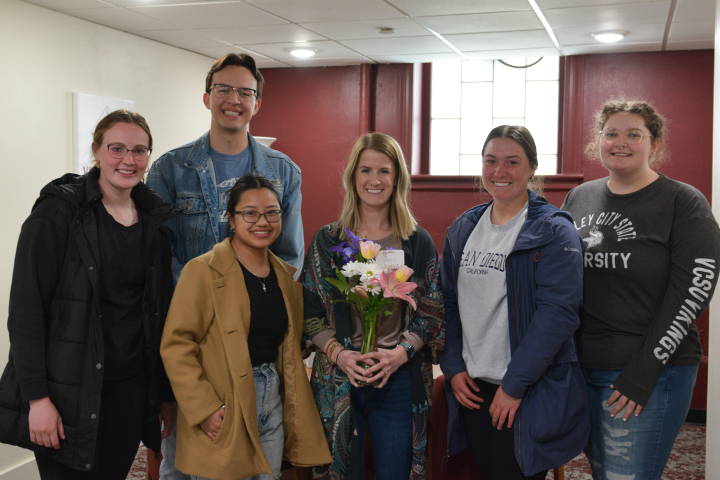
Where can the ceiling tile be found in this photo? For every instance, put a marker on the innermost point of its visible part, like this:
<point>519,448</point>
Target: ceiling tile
<point>694,10</point>
<point>262,34</point>
<point>420,58</point>
<point>691,31</point>
<point>328,62</point>
<point>353,30</point>
<point>137,3</point>
<point>218,15</point>
<point>608,17</point>
<point>119,18</point>
<point>475,42</point>
<point>398,45</point>
<point>217,52</point>
<point>612,48</point>
<point>425,8</point>
<point>543,4</point>
<point>636,34</point>
<point>280,51</point>
<point>69,4</point>
<point>516,53</point>
<point>483,22</point>
<point>182,38</point>
<point>304,11</point>
<point>691,45</point>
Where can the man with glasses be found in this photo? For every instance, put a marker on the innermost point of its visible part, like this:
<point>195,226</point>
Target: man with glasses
<point>199,175</point>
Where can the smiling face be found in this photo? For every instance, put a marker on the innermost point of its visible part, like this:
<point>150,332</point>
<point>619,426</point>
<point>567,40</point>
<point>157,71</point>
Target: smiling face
<point>258,235</point>
<point>230,114</point>
<point>121,174</point>
<point>617,155</point>
<point>506,171</point>
<point>374,179</point>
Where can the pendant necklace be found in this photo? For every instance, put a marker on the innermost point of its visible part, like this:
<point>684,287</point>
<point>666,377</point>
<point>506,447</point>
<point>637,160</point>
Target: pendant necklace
<point>262,282</point>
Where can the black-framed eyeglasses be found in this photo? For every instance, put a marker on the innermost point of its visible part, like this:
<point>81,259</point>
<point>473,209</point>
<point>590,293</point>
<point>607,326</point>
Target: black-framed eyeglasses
<point>119,151</point>
<point>251,216</point>
<point>222,90</point>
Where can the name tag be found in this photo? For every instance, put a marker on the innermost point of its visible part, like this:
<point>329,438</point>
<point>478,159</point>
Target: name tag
<point>391,258</point>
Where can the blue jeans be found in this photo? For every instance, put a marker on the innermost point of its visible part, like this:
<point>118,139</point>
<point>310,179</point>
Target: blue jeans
<point>270,419</point>
<point>639,448</point>
<point>387,413</point>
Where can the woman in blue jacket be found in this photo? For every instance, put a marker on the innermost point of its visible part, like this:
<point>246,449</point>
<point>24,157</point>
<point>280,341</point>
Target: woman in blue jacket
<point>512,282</point>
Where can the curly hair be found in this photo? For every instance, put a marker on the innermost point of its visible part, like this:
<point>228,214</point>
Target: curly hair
<point>653,121</point>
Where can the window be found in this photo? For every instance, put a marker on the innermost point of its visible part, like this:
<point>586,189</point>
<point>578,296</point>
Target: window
<point>471,98</point>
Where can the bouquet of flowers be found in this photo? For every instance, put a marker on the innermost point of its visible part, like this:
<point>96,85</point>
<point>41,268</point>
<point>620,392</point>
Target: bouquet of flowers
<point>379,280</point>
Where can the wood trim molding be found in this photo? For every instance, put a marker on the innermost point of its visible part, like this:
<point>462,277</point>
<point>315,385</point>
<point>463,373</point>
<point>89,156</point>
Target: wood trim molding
<point>425,117</point>
<point>366,81</point>
<point>468,183</point>
<point>573,132</point>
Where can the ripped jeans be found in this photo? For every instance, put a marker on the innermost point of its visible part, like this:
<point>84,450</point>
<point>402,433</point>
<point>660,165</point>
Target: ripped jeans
<point>639,448</point>
<point>270,419</point>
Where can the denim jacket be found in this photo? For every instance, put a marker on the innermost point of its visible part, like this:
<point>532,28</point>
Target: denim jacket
<point>185,176</point>
<point>544,294</point>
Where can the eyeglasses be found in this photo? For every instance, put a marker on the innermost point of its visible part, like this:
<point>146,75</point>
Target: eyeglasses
<point>251,216</point>
<point>632,137</point>
<point>119,151</point>
<point>245,94</point>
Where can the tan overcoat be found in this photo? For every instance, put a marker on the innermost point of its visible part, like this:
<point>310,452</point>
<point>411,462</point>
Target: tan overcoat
<point>205,352</point>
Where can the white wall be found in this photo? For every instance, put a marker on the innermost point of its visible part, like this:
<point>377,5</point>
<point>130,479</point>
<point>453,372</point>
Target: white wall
<point>44,57</point>
<point>712,445</point>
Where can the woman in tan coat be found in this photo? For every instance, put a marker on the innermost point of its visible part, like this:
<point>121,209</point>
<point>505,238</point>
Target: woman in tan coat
<point>231,348</point>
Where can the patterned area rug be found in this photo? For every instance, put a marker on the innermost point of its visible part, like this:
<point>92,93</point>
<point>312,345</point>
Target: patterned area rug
<point>687,460</point>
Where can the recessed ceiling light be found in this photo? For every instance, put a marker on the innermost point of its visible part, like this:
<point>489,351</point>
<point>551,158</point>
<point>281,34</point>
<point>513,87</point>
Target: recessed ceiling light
<point>302,52</point>
<point>610,37</point>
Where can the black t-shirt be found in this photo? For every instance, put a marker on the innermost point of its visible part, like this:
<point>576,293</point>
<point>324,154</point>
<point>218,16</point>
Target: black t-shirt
<point>650,268</point>
<point>268,317</point>
<point>122,282</point>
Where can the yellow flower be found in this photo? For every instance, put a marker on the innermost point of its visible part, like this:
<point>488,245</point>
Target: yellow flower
<point>403,273</point>
<point>369,249</point>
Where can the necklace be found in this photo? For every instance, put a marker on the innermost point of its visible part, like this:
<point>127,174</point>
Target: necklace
<point>262,282</point>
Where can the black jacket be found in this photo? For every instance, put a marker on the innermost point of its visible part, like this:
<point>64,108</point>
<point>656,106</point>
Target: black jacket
<point>56,336</point>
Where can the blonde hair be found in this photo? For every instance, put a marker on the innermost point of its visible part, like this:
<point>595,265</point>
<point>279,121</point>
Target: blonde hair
<point>653,121</point>
<point>401,219</point>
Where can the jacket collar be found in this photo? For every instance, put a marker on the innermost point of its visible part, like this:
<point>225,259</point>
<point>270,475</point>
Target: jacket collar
<point>83,193</point>
<point>200,154</point>
<point>537,229</point>
<point>223,259</point>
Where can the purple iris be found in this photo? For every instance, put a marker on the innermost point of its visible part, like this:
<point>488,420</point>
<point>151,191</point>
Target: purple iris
<point>346,249</point>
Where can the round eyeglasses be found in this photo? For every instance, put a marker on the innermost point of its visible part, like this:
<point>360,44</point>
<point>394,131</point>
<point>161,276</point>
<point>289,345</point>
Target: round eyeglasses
<point>251,216</point>
<point>632,137</point>
<point>119,151</point>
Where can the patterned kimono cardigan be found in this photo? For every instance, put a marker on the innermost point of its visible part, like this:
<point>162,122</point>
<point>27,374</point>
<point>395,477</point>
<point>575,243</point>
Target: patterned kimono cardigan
<point>330,385</point>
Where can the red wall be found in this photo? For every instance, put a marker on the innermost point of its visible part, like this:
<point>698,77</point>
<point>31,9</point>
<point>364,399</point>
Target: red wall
<point>317,114</point>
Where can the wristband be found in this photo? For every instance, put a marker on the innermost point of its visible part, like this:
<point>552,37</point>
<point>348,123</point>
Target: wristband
<point>409,349</point>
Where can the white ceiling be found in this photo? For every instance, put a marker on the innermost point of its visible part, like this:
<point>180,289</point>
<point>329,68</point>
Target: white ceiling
<point>348,31</point>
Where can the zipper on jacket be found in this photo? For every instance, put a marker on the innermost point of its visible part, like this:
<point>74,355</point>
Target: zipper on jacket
<point>508,271</point>
<point>457,409</point>
<point>452,430</point>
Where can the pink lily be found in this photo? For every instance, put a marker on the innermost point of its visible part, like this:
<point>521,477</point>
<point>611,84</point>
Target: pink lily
<point>361,291</point>
<point>392,288</point>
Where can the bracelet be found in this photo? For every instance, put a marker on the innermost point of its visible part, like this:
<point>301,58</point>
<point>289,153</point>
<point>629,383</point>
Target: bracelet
<point>330,351</point>
<point>337,357</point>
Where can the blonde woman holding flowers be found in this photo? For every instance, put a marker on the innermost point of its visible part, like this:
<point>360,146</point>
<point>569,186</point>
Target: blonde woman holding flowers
<point>395,412</point>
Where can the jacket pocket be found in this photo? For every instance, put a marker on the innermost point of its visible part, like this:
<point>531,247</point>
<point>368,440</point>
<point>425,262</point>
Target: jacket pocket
<point>555,404</point>
<point>193,220</point>
<point>226,425</point>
